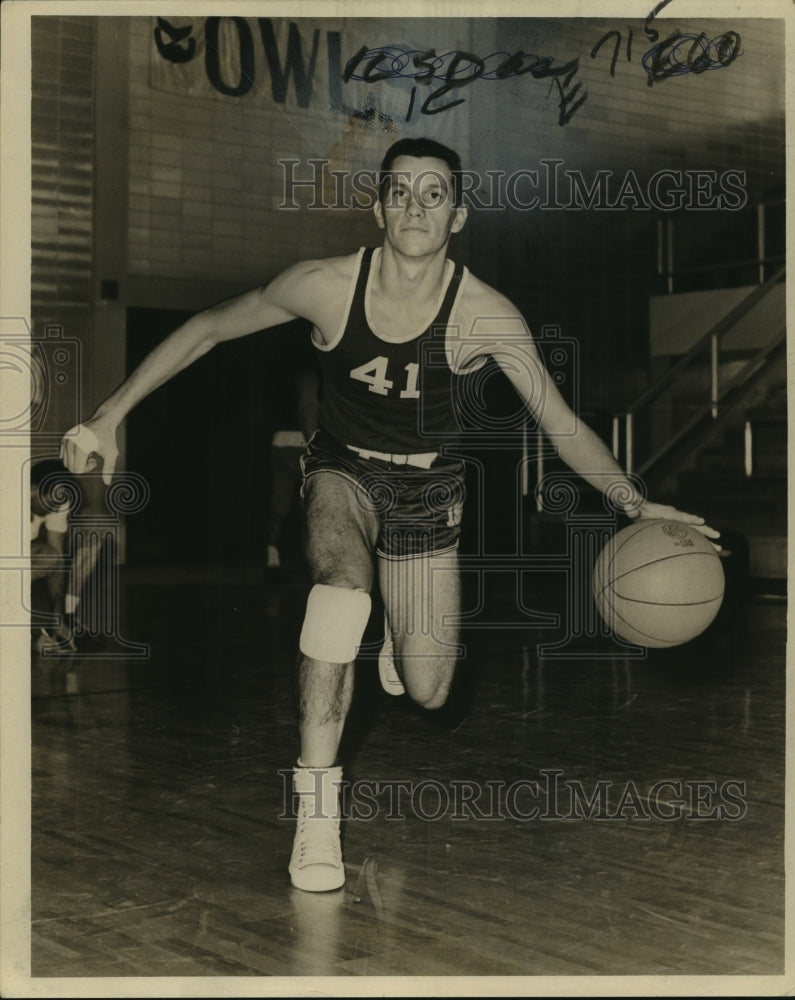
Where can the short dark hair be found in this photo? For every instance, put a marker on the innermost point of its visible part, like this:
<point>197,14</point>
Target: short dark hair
<point>420,147</point>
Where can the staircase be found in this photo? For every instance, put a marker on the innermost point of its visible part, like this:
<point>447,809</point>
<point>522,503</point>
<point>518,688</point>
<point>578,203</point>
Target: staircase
<point>737,477</point>
<point>711,432</point>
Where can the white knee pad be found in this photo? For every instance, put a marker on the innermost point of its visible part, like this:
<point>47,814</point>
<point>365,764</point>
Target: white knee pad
<point>334,624</point>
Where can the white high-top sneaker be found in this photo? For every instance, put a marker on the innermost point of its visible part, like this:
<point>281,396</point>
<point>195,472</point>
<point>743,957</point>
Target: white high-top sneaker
<point>316,862</point>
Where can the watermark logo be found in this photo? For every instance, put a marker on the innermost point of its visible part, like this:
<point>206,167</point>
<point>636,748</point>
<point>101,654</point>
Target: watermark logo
<point>548,796</point>
<point>547,186</point>
<point>40,372</point>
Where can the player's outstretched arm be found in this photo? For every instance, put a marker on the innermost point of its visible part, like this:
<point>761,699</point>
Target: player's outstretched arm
<point>498,329</point>
<point>283,300</point>
<point>588,455</point>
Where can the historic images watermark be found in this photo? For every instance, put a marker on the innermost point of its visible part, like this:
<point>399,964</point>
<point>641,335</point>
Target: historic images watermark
<point>547,186</point>
<point>547,796</point>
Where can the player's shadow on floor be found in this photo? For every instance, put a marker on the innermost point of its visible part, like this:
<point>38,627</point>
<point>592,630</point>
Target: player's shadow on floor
<point>370,700</point>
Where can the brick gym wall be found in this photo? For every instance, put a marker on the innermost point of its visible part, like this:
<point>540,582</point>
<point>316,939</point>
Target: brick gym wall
<point>62,178</point>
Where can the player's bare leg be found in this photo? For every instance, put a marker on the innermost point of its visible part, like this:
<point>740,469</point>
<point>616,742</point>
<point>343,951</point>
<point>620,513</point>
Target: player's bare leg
<point>422,596</point>
<point>324,698</point>
<point>338,549</point>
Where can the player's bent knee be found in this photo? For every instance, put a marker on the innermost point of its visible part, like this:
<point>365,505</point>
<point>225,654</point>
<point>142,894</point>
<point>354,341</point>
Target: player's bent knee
<point>430,694</point>
<point>434,701</point>
<point>334,623</point>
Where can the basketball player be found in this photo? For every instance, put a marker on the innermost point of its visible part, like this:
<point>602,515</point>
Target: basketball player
<point>379,493</point>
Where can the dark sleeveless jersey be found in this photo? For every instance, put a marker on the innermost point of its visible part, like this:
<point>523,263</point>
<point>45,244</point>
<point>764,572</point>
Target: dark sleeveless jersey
<point>386,396</point>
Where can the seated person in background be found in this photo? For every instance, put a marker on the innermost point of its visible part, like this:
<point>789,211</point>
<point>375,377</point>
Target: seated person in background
<point>294,405</point>
<point>49,524</point>
<point>53,492</point>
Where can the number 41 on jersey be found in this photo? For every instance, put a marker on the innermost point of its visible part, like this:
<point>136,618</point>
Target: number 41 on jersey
<point>374,374</point>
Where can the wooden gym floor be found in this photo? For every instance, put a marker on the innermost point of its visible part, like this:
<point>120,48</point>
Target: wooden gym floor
<point>160,845</point>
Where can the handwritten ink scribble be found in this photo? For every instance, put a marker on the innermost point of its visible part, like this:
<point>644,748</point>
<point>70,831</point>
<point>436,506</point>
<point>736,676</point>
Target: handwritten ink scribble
<point>616,35</point>
<point>457,69</point>
<point>423,65</point>
<point>651,33</point>
<point>690,53</point>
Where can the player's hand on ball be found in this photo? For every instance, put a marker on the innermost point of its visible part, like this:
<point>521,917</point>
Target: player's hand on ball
<point>84,445</point>
<point>665,512</point>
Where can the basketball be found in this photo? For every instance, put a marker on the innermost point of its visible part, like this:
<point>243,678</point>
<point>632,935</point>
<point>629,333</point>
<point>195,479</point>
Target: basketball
<point>658,583</point>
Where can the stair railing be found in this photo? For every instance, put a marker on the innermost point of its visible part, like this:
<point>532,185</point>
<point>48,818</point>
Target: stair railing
<point>712,341</point>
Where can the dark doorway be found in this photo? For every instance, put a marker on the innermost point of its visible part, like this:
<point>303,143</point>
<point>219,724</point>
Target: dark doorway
<point>201,442</point>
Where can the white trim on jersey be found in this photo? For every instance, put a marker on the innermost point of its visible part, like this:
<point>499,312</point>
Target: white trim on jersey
<point>351,292</point>
<point>454,347</point>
